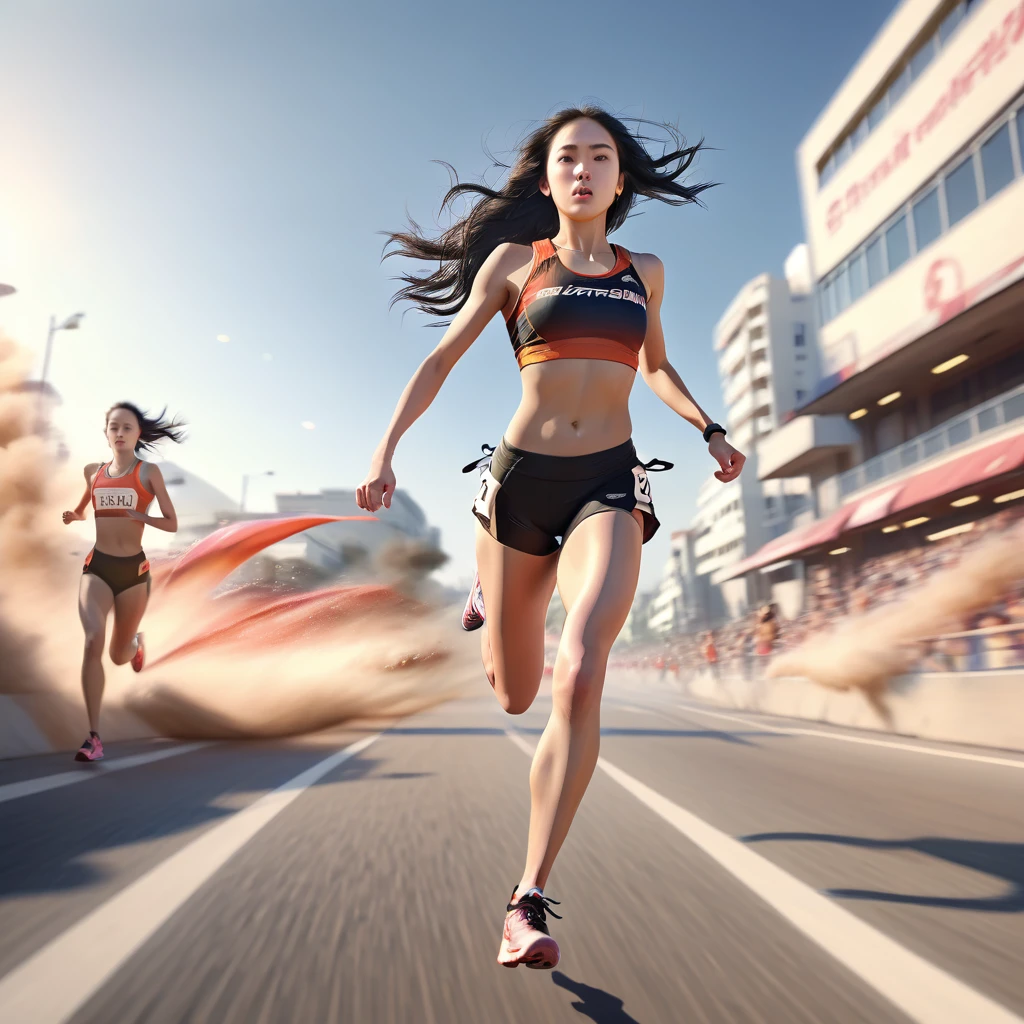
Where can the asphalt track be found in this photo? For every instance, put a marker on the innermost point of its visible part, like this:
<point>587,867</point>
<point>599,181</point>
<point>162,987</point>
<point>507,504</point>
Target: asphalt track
<point>722,868</point>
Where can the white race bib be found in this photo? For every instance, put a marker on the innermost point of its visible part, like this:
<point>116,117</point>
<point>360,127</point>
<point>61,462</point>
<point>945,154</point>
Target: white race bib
<point>483,504</point>
<point>115,498</point>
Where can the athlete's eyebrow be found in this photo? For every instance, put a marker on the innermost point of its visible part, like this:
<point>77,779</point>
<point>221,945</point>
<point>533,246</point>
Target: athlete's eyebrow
<point>593,145</point>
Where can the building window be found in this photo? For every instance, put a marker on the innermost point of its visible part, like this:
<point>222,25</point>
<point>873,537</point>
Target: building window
<point>961,191</point>
<point>876,268</point>
<point>920,60</point>
<point>858,281</point>
<point>800,395</point>
<point>912,64</point>
<point>1020,135</point>
<point>950,23</point>
<point>801,355</point>
<point>927,219</point>
<point>897,244</point>
<point>997,162</point>
<point>799,335</point>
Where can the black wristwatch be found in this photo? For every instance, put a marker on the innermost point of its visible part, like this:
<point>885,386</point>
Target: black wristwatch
<point>713,428</point>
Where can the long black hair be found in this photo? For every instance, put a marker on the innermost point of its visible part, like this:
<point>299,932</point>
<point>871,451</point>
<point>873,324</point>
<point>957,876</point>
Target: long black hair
<point>520,212</point>
<point>152,429</point>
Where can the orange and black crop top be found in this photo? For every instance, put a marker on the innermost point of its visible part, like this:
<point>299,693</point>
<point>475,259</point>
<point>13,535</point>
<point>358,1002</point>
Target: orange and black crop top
<point>564,315</point>
<point>114,496</point>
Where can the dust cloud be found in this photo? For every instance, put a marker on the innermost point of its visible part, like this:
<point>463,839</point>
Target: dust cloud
<point>867,651</point>
<point>222,662</point>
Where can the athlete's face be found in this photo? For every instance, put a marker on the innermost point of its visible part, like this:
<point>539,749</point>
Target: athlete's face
<point>583,170</point>
<point>122,430</point>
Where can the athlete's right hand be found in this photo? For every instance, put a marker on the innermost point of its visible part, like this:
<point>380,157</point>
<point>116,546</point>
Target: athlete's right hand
<point>71,517</point>
<point>377,488</point>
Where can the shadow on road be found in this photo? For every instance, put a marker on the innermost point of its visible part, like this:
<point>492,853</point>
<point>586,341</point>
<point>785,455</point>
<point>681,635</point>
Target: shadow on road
<point>1000,860</point>
<point>595,1003</point>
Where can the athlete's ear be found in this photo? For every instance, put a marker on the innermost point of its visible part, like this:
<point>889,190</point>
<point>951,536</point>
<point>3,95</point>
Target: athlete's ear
<point>622,183</point>
<point>545,188</point>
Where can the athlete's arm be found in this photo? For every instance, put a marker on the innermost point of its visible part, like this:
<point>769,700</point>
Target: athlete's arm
<point>488,296</point>
<point>153,480</point>
<point>661,375</point>
<point>79,512</point>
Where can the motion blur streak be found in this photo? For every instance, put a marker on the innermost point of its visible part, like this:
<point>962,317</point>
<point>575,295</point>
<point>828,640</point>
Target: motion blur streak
<point>223,662</point>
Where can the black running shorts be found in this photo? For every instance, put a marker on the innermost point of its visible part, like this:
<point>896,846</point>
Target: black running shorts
<point>531,502</point>
<point>119,572</point>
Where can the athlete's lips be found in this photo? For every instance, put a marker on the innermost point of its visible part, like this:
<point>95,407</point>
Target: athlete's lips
<point>581,192</point>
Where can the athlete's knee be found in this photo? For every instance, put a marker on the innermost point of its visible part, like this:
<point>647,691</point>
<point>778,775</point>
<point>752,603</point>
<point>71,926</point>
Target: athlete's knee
<point>121,657</point>
<point>93,645</point>
<point>577,683</point>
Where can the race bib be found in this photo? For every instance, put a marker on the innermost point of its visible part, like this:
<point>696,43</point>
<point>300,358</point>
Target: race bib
<point>642,486</point>
<point>108,498</point>
<point>483,504</point>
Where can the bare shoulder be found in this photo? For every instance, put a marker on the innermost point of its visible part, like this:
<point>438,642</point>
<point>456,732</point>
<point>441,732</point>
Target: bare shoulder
<point>91,470</point>
<point>511,256</point>
<point>150,474</point>
<point>651,271</point>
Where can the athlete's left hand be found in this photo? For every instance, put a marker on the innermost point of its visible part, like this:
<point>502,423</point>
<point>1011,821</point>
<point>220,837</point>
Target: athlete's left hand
<point>727,457</point>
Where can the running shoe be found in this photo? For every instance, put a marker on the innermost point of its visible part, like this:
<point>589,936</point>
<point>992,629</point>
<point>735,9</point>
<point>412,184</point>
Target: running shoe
<point>473,615</point>
<point>91,749</point>
<point>525,939</point>
<point>139,658</point>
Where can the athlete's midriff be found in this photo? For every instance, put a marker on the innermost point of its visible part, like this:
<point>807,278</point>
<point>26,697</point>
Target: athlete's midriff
<point>119,536</point>
<point>572,407</point>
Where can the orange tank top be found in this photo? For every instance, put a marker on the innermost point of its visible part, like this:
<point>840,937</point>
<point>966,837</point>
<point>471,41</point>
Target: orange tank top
<point>114,496</point>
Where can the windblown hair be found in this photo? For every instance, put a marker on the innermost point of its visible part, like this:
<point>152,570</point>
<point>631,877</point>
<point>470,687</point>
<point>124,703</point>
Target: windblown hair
<point>154,429</point>
<point>520,212</point>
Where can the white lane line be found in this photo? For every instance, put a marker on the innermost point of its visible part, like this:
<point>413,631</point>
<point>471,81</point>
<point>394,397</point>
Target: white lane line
<point>955,755</point>
<point>56,981</point>
<point>924,992</point>
<point>29,787</point>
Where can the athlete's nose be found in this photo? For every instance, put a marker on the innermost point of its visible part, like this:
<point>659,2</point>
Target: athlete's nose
<point>580,172</point>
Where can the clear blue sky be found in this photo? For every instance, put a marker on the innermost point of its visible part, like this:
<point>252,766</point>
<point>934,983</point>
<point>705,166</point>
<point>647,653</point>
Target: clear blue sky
<point>181,170</point>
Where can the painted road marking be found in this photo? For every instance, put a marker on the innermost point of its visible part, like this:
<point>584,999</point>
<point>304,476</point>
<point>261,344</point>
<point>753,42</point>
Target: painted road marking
<point>924,992</point>
<point>29,787</point>
<point>54,983</point>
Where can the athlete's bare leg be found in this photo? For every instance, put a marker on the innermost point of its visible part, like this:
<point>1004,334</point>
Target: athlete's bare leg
<point>517,589</point>
<point>597,577</point>
<point>95,599</point>
<point>129,607</point>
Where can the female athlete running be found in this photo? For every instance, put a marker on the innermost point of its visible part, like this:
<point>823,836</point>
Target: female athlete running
<point>116,571</point>
<point>564,498</point>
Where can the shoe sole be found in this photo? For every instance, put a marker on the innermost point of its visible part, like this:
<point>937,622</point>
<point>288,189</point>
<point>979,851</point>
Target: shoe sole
<point>542,960</point>
<point>88,760</point>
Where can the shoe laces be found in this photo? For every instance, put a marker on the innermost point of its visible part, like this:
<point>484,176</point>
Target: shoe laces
<point>535,907</point>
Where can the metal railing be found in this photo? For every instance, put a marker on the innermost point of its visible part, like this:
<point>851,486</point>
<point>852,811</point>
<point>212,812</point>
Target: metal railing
<point>968,426</point>
<point>976,650</point>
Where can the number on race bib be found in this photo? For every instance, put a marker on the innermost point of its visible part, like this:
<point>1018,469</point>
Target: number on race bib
<point>483,504</point>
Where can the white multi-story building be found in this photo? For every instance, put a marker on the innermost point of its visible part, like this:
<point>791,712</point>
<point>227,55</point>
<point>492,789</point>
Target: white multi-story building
<point>767,363</point>
<point>912,184</point>
<point>678,605</point>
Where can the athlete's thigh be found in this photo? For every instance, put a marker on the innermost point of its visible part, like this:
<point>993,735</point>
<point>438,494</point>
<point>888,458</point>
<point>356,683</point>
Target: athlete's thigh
<point>95,599</point>
<point>517,590</point>
<point>597,578</point>
<point>129,607</point>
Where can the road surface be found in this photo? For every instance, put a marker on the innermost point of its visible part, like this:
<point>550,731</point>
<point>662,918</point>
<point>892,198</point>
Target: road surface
<point>722,868</point>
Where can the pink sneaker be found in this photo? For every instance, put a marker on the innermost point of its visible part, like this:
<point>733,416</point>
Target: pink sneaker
<point>473,615</point>
<point>525,939</point>
<point>139,658</point>
<point>91,749</point>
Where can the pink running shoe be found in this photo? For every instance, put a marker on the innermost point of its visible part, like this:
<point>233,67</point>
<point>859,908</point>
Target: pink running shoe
<point>91,749</point>
<point>139,658</point>
<point>473,615</point>
<point>525,939</point>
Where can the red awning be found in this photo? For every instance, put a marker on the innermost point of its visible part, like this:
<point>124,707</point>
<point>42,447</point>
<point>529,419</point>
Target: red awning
<point>874,507</point>
<point>973,468</point>
<point>803,538</point>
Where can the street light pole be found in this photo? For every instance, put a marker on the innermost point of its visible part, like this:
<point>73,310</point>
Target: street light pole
<point>72,323</point>
<point>245,486</point>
